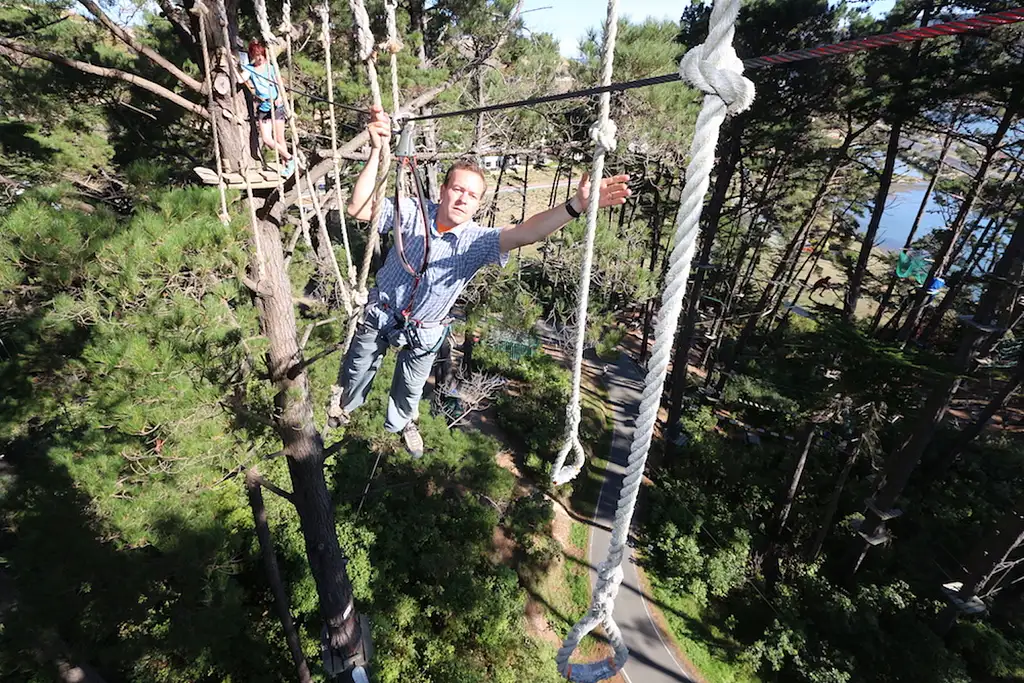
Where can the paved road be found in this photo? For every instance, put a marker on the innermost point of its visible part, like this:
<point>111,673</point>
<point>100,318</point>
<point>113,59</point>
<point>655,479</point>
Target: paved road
<point>651,660</point>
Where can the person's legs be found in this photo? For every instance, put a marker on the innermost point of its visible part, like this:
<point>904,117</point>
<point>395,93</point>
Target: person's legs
<point>411,372</point>
<point>267,133</point>
<point>361,365</point>
<point>282,146</point>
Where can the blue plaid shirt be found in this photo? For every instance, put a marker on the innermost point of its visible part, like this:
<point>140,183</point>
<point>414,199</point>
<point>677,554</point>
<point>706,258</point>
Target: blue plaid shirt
<point>455,257</point>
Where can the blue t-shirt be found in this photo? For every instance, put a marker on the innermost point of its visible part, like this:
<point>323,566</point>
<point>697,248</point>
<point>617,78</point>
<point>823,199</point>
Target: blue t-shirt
<point>264,83</point>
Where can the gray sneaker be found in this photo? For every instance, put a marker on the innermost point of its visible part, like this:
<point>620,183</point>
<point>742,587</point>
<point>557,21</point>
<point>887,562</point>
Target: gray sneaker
<point>413,440</point>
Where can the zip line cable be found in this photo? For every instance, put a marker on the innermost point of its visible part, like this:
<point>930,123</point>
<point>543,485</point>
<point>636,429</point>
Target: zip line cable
<point>1010,16</point>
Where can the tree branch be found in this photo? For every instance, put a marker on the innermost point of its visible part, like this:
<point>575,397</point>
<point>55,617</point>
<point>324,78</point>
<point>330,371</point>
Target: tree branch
<point>149,53</point>
<point>179,21</point>
<point>11,46</point>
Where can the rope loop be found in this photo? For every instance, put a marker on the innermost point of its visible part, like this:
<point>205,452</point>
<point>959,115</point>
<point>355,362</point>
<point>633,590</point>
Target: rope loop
<point>610,576</point>
<point>720,73</point>
<point>603,134</point>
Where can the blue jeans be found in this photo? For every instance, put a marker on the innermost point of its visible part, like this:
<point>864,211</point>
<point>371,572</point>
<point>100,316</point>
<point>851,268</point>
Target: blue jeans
<point>362,363</point>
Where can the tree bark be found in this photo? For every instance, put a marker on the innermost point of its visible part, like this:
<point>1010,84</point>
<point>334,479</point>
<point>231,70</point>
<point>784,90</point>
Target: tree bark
<point>13,46</point>
<point>856,283</point>
<point>901,464</point>
<point>778,526</point>
<point>301,442</point>
<point>943,258</point>
<point>284,614</point>
<point>951,452</point>
<point>684,340</point>
<point>137,45</point>
<point>985,561</point>
<point>884,303</point>
<point>833,503</point>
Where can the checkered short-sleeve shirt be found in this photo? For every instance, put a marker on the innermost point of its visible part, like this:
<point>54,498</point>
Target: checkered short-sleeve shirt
<point>455,257</point>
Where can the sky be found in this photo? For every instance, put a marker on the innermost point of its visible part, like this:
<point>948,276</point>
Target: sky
<point>568,20</point>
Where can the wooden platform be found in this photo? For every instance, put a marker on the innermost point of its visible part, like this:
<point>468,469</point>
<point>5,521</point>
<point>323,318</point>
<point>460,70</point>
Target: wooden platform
<point>259,179</point>
<point>971,605</point>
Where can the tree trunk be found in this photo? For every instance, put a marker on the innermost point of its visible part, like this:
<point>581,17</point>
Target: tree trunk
<point>660,213</point>
<point>901,464</point>
<point>684,341</point>
<point>856,283</point>
<point>230,113</point>
<point>778,526</point>
<point>301,442</point>
<point>833,503</point>
<point>951,453</point>
<point>942,259</point>
<point>418,19</point>
<point>986,561</point>
<point>884,303</point>
<point>284,614</point>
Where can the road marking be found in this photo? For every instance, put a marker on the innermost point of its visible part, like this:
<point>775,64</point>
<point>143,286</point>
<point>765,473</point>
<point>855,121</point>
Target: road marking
<point>590,559</point>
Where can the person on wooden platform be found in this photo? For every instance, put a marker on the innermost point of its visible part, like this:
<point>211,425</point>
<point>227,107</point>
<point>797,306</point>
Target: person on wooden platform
<point>411,312</point>
<point>265,83</point>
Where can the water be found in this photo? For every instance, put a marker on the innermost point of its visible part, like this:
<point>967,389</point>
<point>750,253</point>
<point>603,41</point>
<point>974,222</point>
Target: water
<point>898,217</point>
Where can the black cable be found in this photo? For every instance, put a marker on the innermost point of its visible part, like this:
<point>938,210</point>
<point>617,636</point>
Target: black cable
<point>572,94</point>
<point>844,47</point>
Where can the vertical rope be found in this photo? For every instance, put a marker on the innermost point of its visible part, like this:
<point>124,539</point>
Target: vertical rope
<point>364,38</point>
<point>325,21</point>
<point>225,218</point>
<point>393,46</point>
<point>325,241</point>
<point>293,128</point>
<point>714,68</point>
<point>603,135</point>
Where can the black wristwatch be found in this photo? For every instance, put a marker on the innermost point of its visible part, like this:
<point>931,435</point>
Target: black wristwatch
<point>571,211</point>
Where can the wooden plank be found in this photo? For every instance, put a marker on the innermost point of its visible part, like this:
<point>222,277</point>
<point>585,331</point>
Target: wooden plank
<point>206,175</point>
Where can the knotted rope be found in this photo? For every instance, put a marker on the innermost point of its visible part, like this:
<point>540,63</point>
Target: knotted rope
<point>393,46</point>
<point>717,71</point>
<point>360,295</point>
<point>603,135</point>
<point>325,34</point>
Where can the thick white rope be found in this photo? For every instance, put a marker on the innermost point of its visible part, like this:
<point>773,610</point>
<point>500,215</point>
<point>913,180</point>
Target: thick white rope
<point>294,130</point>
<point>714,68</point>
<point>603,135</point>
<point>393,46</point>
<point>325,34</point>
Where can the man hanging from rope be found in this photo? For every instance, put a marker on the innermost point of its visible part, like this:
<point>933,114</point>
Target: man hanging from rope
<point>412,313</point>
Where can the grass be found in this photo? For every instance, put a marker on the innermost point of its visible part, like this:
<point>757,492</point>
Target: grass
<point>711,650</point>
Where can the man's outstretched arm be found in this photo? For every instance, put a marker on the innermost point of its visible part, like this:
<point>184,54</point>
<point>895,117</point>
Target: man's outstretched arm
<point>537,227</point>
<point>360,204</point>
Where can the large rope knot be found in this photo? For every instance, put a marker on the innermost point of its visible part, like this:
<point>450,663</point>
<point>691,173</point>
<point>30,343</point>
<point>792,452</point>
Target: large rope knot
<point>363,33</point>
<point>392,46</point>
<point>721,74</point>
<point>603,134</point>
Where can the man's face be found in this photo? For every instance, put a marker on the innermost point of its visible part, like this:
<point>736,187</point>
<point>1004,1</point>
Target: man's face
<point>461,195</point>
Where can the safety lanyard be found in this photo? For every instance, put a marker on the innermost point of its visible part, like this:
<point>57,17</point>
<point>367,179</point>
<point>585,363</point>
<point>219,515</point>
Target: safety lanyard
<point>407,161</point>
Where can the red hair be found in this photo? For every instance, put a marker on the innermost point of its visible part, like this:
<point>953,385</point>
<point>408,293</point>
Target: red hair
<point>256,49</point>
